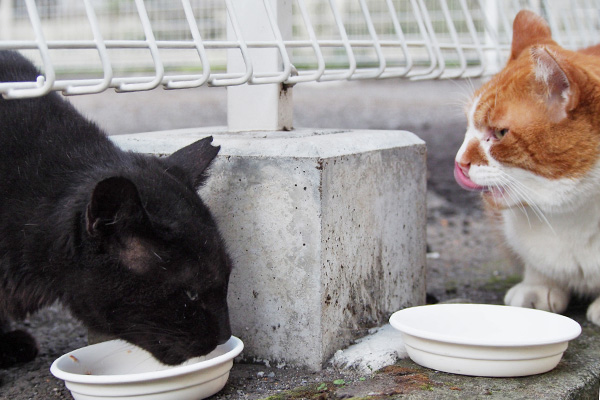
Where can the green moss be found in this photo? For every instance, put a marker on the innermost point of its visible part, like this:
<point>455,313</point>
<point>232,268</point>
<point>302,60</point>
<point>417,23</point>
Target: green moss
<point>427,387</point>
<point>317,391</point>
<point>501,283</point>
<point>451,287</point>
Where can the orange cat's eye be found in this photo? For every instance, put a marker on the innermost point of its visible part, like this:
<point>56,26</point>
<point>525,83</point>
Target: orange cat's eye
<point>500,133</point>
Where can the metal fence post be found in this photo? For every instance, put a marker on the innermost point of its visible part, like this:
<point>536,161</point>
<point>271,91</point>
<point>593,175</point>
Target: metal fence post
<point>6,19</point>
<point>491,18</point>
<point>265,106</point>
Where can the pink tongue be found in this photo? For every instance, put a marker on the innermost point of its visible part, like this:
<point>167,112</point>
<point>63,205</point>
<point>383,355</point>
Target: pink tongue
<point>464,181</point>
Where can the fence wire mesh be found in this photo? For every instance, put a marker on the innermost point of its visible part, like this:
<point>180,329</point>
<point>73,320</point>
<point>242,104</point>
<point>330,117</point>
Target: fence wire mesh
<point>87,46</point>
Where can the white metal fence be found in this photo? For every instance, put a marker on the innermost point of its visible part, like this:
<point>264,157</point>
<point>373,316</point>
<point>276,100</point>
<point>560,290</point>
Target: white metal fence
<point>87,46</point>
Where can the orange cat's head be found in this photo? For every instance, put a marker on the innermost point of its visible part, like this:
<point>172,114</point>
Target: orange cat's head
<point>533,133</point>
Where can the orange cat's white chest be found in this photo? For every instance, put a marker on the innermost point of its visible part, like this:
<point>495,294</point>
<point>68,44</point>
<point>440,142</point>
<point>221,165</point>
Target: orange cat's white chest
<point>565,247</point>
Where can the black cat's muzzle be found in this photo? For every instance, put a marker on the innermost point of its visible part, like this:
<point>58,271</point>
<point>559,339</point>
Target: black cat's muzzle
<point>176,349</point>
<point>172,352</point>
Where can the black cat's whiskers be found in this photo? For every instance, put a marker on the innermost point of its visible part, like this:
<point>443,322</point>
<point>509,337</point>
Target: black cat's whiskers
<point>159,257</point>
<point>162,261</point>
<point>173,333</point>
<point>137,329</point>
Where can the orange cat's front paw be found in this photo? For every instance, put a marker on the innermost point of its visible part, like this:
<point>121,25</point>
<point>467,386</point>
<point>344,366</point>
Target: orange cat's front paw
<point>538,296</point>
<point>593,312</point>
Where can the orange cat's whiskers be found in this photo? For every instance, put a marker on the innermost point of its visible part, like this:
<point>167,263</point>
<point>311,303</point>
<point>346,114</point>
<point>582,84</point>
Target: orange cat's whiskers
<point>464,95</point>
<point>523,198</point>
<point>504,193</point>
<point>506,189</point>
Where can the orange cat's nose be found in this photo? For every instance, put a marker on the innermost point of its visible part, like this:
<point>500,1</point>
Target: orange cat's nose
<point>461,174</point>
<point>464,167</point>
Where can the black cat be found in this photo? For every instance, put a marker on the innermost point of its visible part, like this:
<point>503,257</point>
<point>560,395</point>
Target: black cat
<point>120,238</point>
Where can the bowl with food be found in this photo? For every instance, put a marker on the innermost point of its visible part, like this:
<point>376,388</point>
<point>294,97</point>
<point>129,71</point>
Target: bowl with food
<point>119,370</point>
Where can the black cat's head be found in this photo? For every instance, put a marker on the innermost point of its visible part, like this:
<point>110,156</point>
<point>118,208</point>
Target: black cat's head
<point>156,269</point>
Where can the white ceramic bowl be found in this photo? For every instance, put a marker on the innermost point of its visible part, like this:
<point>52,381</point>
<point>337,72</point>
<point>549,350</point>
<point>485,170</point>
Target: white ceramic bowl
<point>120,370</point>
<point>484,340</point>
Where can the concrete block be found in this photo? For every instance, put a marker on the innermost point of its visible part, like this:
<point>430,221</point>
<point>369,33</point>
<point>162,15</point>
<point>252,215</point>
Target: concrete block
<point>326,230</point>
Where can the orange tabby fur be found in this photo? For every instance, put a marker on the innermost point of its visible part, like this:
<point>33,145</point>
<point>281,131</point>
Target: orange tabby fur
<point>515,99</point>
<point>532,148</point>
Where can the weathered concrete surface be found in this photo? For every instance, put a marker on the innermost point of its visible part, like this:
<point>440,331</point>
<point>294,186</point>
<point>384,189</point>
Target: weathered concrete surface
<point>326,230</point>
<point>575,377</point>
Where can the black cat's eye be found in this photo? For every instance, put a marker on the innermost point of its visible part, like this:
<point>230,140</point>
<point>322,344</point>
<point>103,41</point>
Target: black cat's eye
<point>192,295</point>
<point>500,133</point>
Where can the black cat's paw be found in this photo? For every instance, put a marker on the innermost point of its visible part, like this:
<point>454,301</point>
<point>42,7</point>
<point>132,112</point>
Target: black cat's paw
<point>16,347</point>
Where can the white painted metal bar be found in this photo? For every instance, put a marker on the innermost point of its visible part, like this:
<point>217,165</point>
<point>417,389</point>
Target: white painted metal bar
<point>477,44</point>
<point>474,42</point>
<point>236,31</point>
<point>44,83</point>
<point>159,71</point>
<point>265,103</point>
<point>6,18</point>
<point>82,87</point>
<point>181,82</point>
<point>437,58</point>
<point>402,71</point>
<point>462,61</point>
<point>286,72</point>
<point>425,41</point>
<point>362,74</point>
<point>336,74</point>
<point>489,17</point>
<point>314,44</point>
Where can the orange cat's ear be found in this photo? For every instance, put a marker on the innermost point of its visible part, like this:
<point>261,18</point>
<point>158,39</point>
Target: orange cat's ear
<point>529,29</point>
<point>560,93</point>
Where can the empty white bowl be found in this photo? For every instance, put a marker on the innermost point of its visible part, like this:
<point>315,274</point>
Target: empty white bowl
<point>484,340</point>
<point>119,370</point>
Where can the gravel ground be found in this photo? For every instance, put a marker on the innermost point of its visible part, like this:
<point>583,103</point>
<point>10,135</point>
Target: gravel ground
<point>465,260</point>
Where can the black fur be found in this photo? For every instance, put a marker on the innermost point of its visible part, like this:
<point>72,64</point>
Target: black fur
<point>120,238</point>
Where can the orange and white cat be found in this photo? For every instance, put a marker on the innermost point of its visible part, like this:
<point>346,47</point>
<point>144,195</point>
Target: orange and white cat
<point>532,147</point>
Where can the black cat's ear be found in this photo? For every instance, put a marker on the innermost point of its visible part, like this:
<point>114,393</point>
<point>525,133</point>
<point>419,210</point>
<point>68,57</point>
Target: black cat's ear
<point>115,201</point>
<point>193,160</point>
